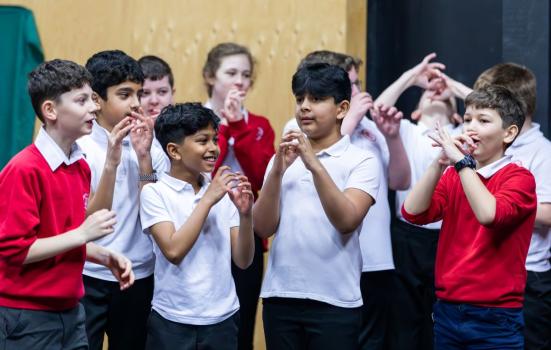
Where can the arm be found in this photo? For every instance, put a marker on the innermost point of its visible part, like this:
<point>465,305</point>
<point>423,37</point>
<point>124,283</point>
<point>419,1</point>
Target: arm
<point>266,209</point>
<point>102,198</point>
<point>176,244</point>
<point>359,105</point>
<point>419,198</point>
<point>388,122</point>
<point>95,226</point>
<point>345,210</point>
<point>119,265</point>
<point>141,137</point>
<point>416,76</point>
<point>242,238</point>
<point>543,215</point>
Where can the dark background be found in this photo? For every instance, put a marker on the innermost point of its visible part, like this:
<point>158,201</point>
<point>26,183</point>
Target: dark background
<point>469,36</point>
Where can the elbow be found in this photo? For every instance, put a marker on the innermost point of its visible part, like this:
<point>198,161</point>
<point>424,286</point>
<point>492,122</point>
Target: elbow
<point>486,218</point>
<point>345,228</point>
<point>400,184</point>
<point>243,264</point>
<point>173,257</point>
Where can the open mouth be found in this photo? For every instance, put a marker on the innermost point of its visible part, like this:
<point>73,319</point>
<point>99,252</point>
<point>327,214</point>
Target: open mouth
<point>210,159</point>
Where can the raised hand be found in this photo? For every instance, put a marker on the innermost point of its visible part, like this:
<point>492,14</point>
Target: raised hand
<point>359,105</point>
<point>233,105</point>
<point>387,120</point>
<point>141,134</point>
<point>453,148</point>
<point>300,145</point>
<point>422,74</point>
<point>114,143</point>
<point>220,184</point>
<point>97,225</point>
<point>242,195</point>
<point>286,153</point>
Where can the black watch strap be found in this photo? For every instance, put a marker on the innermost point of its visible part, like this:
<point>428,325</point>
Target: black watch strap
<point>467,162</point>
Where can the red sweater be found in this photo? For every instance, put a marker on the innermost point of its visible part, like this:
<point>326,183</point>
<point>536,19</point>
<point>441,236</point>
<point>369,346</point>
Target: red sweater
<point>476,264</point>
<point>38,203</point>
<point>253,147</point>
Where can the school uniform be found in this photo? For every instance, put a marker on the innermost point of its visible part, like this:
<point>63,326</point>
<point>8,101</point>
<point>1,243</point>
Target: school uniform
<point>480,269</point>
<point>532,150</point>
<point>311,289</point>
<point>120,314</point>
<point>44,194</point>
<point>194,302</point>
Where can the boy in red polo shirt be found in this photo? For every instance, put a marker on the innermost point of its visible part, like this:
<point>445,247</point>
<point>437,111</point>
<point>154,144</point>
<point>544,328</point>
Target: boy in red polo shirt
<point>488,208</point>
<point>44,237</point>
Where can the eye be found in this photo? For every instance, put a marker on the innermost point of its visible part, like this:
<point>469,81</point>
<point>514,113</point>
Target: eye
<point>247,75</point>
<point>215,140</point>
<point>231,73</point>
<point>124,95</point>
<point>299,99</point>
<point>162,92</point>
<point>145,93</point>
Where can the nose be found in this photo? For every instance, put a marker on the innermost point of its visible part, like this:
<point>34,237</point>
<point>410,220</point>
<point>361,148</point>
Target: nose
<point>305,104</point>
<point>154,99</point>
<point>134,102</point>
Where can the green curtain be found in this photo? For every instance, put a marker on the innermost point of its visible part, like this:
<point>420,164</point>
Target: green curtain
<point>20,53</point>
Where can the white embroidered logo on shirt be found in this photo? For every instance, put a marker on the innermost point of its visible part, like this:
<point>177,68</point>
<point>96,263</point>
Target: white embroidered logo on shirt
<point>85,199</point>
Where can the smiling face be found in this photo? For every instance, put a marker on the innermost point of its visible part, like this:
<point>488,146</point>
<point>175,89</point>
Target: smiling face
<point>234,73</point>
<point>74,112</point>
<point>486,127</point>
<point>156,95</point>
<point>197,153</point>
<point>122,99</point>
<point>318,117</point>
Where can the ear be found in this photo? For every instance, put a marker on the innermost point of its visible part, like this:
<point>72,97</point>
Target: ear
<point>209,79</point>
<point>48,110</point>
<point>510,133</point>
<point>173,151</point>
<point>342,109</point>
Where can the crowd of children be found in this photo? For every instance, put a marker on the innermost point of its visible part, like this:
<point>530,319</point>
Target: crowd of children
<point>146,220</point>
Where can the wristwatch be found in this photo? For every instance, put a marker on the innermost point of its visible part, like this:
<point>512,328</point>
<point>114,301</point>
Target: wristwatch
<point>149,177</point>
<point>467,162</point>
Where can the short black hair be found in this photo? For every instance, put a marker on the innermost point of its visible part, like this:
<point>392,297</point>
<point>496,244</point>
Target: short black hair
<point>53,78</point>
<point>155,68</point>
<point>322,80</point>
<point>112,67</point>
<point>183,119</point>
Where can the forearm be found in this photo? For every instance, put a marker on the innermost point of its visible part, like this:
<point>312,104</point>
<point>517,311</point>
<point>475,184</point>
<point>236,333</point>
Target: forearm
<point>340,211</point>
<point>266,208</point>
<point>45,248</point>
<point>392,93</point>
<point>543,215</point>
<point>399,171</point>
<point>350,122</point>
<point>145,165</point>
<point>243,251</point>
<point>482,202</point>
<point>103,196</point>
<point>97,254</point>
<point>182,240</point>
<point>419,198</point>
<point>459,90</point>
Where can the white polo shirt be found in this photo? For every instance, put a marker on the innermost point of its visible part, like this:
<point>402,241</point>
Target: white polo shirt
<point>200,289</point>
<point>375,239</point>
<point>128,238</point>
<point>533,151</point>
<point>309,258</point>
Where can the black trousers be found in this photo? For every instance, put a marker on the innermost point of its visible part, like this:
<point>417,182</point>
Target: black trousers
<point>247,285</point>
<point>414,250</point>
<point>121,314</point>
<point>307,324</point>
<point>374,331</point>
<point>163,334</point>
<point>33,329</point>
<point>537,311</point>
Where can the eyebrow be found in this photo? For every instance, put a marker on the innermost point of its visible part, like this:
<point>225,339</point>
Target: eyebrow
<point>125,89</point>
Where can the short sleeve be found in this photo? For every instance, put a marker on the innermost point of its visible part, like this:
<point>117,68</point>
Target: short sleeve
<point>152,208</point>
<point>19,213</point>
<point>161,163</point>
<point>542,173</point>
<point>365,176</point>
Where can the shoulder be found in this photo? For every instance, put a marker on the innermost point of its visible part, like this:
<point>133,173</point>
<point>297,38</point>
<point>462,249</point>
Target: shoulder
<point>513,174</point>
<point>27,161</point>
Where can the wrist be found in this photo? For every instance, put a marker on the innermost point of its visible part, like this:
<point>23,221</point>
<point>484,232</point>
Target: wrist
<point>467,162</point>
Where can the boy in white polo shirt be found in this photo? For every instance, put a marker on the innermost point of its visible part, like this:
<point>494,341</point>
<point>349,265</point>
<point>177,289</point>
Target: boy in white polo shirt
<point>316,194</point>
<point>198,232</point>
<point>117,79</point>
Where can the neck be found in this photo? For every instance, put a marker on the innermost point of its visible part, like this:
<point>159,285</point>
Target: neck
<point>216,104</point>
<point>64,142</point>
<point>325,142</point>
<point>430,120</point>
<point>191,177</point>
<point>483,163</point>
<point>526,126</point>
